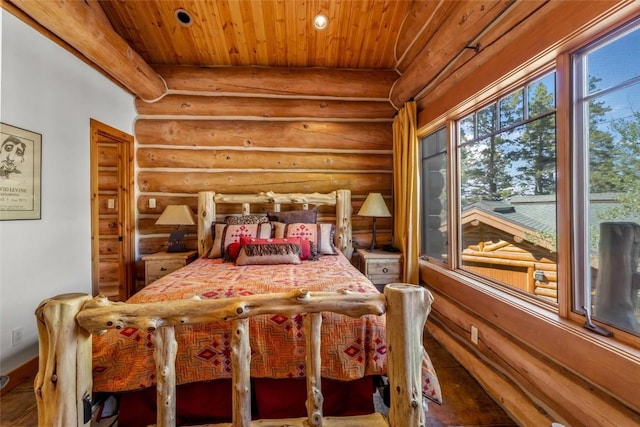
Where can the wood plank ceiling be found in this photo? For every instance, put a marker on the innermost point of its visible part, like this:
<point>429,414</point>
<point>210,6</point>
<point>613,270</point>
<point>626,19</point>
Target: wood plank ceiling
<point>424,41</point>
<point>361,34</point>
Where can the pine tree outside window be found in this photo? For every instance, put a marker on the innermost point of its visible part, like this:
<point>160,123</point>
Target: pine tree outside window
<point>507,215</point>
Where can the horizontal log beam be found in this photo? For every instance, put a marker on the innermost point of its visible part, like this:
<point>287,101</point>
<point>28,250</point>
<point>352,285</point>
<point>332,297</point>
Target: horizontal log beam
<point>148,226</point>
<point>526,258</point>
<point>607,367</point>
<point>423,22</point>
<point>162,201</point>
<point>83,25</point>
<point>246,159</point>
<point>230,106</point>
<point>151,245</point>
<point>555,388</point>
<point>243,182</point>
<point>517,50</point>
<point>545,292</point>
<point>100,314</point>
<point>465,22</point>
<point>509,396</point>
<point>319,135</point>
<point>291,82</point>
<point>518,13</point>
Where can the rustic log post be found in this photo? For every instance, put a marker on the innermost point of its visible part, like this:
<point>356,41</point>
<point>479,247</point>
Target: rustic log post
<point>615,297</point>
<point>64,366</point>
<point>408,307</point>
<point>343,223</point>
<point>164,353</point>
<point>241,373</point>
<point>312,327</point>
<point>206,219</point>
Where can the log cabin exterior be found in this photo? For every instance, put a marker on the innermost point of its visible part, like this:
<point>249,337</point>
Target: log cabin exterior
<point>295,128</point>
<point>498,246</point>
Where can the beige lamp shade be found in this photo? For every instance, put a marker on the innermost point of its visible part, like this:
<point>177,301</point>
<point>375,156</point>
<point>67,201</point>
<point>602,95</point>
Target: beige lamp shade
<point>176,215</point>
<point>374,206</point>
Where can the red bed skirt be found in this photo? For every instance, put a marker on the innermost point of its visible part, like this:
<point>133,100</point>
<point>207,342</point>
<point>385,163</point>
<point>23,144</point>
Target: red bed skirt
<point>210,402</point>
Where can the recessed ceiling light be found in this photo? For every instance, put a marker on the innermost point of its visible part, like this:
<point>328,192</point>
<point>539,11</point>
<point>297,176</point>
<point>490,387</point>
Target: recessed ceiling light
<point>183,17</point>
<point>320,22</point>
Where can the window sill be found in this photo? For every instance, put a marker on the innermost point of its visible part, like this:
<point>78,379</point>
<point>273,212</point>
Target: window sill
<point>500,308</point>
<point>603,362</point>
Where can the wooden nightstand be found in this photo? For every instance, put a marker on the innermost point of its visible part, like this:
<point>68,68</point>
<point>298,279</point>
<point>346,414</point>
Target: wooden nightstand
<point>380,267</point>
<point>162,263</point>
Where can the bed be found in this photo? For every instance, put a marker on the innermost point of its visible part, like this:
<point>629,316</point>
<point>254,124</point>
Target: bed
<point>200,308</point>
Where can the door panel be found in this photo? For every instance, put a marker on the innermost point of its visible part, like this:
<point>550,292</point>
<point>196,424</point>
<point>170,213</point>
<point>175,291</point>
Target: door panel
<point>111,233</point>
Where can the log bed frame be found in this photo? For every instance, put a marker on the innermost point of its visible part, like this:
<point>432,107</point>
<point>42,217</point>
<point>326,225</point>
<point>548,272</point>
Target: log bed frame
<point>63,385</point>
<point>341,199</point>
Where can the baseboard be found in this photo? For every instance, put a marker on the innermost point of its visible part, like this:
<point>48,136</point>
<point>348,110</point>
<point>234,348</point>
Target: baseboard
<point>22,373</point>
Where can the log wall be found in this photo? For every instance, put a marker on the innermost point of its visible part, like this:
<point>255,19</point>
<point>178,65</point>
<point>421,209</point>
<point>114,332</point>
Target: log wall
<point>541,365</point>
<point>246,130</point>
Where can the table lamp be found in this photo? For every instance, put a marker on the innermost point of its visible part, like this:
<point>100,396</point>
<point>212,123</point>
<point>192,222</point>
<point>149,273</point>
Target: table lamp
<point>375,207</point>
<point>177,215</point>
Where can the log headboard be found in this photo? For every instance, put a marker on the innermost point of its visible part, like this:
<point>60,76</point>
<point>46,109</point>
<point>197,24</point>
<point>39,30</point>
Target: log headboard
<point>341,199</point>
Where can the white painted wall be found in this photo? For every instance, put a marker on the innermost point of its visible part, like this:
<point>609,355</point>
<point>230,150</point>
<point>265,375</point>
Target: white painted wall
<point>47,90</point>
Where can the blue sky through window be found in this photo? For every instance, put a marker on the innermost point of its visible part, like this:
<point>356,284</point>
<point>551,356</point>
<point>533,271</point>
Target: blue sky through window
<point>616,62</point>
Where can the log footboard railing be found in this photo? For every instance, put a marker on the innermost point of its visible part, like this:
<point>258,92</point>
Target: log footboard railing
<point>66,322</point>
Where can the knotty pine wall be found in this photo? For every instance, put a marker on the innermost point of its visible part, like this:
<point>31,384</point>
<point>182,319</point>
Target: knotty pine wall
<point>246,130</point>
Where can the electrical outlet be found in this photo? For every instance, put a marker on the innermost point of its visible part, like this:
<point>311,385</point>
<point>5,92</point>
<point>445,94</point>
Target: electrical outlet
<point>16,336</point>
<point>474,335</point>
<point>152,203</point>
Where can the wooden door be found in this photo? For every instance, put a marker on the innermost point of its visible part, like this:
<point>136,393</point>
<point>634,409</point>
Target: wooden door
<point>112,234</point>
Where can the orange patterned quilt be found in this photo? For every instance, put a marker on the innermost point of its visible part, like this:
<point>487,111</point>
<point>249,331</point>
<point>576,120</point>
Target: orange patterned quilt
<point>351,348</point>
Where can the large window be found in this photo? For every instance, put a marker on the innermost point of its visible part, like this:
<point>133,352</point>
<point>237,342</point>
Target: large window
<point>490,188</point>
<point>507,165</point>
<point>607,157</point>
<point>434,196</point>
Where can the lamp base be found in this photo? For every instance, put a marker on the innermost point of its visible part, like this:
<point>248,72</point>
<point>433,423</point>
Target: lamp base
<point>176,242</point>
<point>373,237</point>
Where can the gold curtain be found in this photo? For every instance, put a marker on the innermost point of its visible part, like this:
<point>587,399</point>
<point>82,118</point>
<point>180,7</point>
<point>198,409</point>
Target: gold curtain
<point>406,162</point>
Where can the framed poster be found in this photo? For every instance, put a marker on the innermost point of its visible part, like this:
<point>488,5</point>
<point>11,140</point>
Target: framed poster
<point>20,156</point>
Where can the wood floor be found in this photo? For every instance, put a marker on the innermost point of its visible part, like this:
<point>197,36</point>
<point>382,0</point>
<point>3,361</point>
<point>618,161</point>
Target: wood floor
<point>465,403</point>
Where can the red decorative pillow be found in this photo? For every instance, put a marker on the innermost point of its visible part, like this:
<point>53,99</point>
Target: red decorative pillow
<point>232,251</point>
<point>307,253</point>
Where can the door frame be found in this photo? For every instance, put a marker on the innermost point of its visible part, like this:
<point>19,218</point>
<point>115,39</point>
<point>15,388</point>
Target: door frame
<point>126,181</point>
